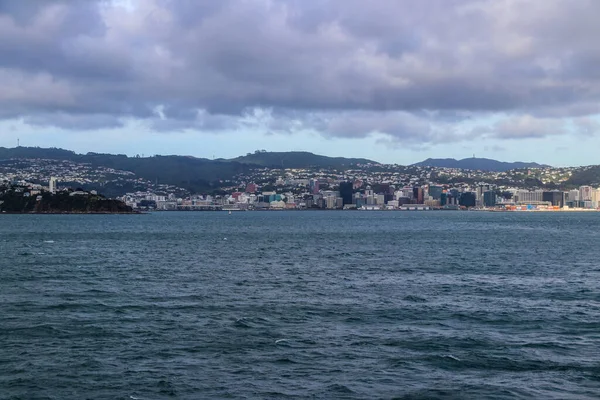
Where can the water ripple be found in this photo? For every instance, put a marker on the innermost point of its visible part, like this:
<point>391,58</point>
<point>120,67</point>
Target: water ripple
<point>315,305</point>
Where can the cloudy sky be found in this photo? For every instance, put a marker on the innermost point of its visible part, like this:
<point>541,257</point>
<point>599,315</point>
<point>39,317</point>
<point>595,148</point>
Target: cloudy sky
<point>391,80</point>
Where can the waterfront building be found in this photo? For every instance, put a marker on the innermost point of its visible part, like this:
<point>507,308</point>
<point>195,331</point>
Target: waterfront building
<point>52,185</point>
<point>431,203</point>
<point>277,205</point>
<point>585,193</point>
<point>393,204</point>
<point>572,196</point>
<point>489,198</point>
<point>418,195</point>
<point>596,198</point>
<point>404,200</point>
<point>406,192</point>
<point>330,202</point>
<point>481,189</point>
<point>346,192</point>
<point>556,198</point>
<point>435,191</point>
<point>529,196</point>
<point>467,199</point>
<point>443,199</point>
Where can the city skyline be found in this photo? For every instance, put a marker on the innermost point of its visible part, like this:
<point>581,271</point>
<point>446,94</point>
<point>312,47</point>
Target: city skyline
<point>396,82</point>
<point>359,185</point>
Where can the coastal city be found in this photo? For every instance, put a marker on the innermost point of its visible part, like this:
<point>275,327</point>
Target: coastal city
<point>355,195</point>
<point>367,187</point>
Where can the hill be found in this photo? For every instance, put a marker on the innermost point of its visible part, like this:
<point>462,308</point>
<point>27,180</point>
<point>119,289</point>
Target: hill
<point>480,164</point>
<point>297,159</point>
<point>194,174</point>
<point>13,200</point>
<point>37,152</point>
<point>584,176</point>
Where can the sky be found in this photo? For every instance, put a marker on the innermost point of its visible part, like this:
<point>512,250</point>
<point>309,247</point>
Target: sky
<point>396,81</point>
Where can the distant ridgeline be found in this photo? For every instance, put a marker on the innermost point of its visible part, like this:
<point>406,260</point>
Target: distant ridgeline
<point>194,174</point>
<point>477,164</point>
<point>18,199</point>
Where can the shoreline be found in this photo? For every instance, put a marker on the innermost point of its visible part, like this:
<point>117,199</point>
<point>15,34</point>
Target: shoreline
<point>391,210</point>
<point>584,210</point>
<point>74,213</point>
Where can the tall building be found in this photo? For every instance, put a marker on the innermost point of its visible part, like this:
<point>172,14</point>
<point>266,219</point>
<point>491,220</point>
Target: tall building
<point>557,198</point>
<point>443,198</point>
<point>596,198</point>
<point>468,199</point>
<point>52,185</point>
<point>330,202</point>
<point>314,186</point>
<point>481,189</point>
<point>489,198</point>
<point>585,193</point>
<point>418,195</point>
<point>346,192</point>
<point>436,192</point>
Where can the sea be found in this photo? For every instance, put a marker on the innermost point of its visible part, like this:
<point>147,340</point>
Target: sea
<point>300,305</point>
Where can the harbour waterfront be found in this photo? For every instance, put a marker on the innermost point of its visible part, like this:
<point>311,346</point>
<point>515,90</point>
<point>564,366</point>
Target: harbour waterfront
<point>301,305</point>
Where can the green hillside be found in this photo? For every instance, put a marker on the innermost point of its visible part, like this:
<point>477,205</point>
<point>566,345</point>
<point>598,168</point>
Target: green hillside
<point>194,174</point>
<point>587,176</point>
<point>297,159</point>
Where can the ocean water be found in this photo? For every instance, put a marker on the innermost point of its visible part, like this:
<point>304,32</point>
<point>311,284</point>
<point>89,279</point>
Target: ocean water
<point>321,305</point>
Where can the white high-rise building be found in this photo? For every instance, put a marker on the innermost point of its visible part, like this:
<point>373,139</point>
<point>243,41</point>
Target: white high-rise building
<point>52,185</point>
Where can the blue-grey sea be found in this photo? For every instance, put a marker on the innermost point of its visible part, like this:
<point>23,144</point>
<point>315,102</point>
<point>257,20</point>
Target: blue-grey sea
<point>306,305</point>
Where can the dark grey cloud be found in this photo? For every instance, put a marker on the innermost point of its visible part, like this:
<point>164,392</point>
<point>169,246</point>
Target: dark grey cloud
<point>411,70</point>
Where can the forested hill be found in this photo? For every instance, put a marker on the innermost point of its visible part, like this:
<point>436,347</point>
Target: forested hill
<point>477,164</point>
<point>195,174</point>
<point>298,159</point>
<point>585,176</point>
<point>37,152</point>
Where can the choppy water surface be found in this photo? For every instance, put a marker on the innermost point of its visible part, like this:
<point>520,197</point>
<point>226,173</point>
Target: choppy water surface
<point>300,304</point>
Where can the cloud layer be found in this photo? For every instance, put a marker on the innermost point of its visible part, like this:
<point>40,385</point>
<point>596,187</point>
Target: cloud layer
<point>416,71</point>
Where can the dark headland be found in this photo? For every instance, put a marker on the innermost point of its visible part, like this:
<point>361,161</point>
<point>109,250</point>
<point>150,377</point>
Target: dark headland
<point>24,200</point>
